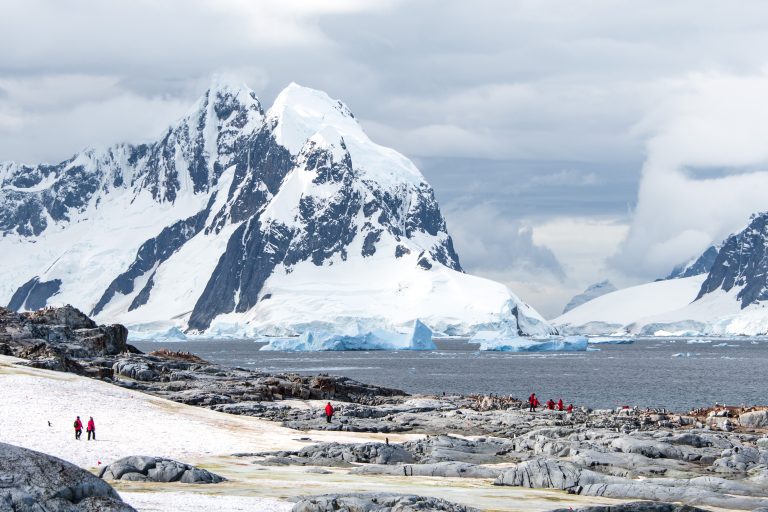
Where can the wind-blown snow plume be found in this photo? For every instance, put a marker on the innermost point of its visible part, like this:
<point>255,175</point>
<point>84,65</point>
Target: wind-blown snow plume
<point>705,172</point>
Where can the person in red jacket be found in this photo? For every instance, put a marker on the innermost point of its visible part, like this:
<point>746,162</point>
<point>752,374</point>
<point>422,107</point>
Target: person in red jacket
<point>551,404</point>
<point>78,427</point>
<point>560,404</point>
<point>569,410</point>
<point>328,412</point>
<point>91,429</point>
<point>532,402</point>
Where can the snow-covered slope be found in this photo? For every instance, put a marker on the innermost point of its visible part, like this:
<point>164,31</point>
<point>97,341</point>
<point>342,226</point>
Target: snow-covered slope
<point>239,221</point>
<point>613,311</point>
<point>727,299</point>
<point>592,292</point>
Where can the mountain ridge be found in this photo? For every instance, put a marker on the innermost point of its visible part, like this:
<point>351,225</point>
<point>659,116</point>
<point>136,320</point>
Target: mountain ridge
<point>722,292</point>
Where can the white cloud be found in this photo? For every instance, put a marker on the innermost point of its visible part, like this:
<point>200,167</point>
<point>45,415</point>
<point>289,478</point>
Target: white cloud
<point>584,245</point>
<point>713,120</point>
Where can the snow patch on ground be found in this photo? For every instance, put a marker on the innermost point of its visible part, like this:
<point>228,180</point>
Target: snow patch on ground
<point>198,502</point>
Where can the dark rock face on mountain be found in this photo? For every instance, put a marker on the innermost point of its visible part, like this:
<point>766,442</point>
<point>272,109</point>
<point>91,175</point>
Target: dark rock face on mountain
<point>701,265</point>
<point>742,263</point>
<point>592,292</point>
<point>54,338</point>
<point>34,481</point>
<point>33,294</point>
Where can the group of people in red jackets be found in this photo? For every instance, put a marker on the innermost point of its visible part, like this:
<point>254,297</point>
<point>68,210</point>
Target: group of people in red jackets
<point>91,428</point>
<point>533,403</point>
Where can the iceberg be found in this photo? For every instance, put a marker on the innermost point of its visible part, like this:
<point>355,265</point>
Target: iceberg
<point>355,338</point>
<point>169,334</point>
<point>609,340</point>
<point>500,342</point>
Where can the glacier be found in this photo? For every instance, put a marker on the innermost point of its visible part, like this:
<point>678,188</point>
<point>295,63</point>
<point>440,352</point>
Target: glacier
<point>355,338</point>
<point>242,222</point>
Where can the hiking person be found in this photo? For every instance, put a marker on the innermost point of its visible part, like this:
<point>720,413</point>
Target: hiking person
<point>560,405</point>
<point>551,404</point>
<point>569,410</point>
<point>91,429</point>
<point>328,412</point>
<point>78,427</point>
<point>532,402</point>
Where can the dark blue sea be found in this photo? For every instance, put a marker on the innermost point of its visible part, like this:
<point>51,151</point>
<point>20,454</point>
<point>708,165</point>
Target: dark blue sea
<point>676,374</point>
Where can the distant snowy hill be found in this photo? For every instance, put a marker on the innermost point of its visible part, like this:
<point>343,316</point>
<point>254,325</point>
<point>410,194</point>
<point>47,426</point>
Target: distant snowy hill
<point>242,221</point>
<point>592,292</point>
<point>729,299</point>
<point>621,309</point>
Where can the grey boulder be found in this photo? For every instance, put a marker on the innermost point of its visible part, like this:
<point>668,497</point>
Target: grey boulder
<point>31,481</point>
<point>754,419</point>
<point>157,469</point>
<point>376,503</point>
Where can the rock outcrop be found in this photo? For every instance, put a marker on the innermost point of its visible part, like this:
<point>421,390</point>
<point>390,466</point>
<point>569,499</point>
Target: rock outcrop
<point>157,469</point>
<point>59,338</point>
<point>35,482</point>
<point>637,506</point>
<point>377,503</point>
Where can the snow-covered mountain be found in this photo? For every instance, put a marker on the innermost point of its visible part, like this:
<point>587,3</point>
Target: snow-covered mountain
<point>243,221</point>
<point>697,266</point>
<point>728,298</point>
<point>592,292</point>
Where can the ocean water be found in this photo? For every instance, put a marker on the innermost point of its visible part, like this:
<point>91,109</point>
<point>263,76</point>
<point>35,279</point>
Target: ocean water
<point>676,374</point>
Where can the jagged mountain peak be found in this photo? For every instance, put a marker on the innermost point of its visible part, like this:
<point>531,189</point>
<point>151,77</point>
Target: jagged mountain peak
<point>741,264</point>
<point>299,112</point>
<point>223,97</point>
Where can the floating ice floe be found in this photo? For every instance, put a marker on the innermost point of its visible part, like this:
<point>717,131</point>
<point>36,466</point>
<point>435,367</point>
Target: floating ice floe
<point>420,338</point>
<point>502,342</point>
<point>609,340</point>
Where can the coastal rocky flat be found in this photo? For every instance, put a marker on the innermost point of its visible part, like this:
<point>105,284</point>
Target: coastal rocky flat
<point>714,457</point>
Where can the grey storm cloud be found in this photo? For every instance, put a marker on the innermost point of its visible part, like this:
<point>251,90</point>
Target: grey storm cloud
<point>531,109</point>
<point>488,240</point>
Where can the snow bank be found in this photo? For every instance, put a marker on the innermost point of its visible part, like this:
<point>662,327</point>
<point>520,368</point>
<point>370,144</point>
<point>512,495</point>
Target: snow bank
<point>198,502</point>
<point>420,338</point>
<point>129,422</point>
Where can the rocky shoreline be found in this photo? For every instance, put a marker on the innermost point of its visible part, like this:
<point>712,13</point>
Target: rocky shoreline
<point>714,457</point>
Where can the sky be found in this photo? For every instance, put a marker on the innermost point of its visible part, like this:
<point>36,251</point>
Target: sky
<point>567,141</point>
